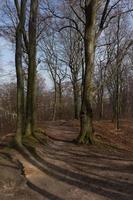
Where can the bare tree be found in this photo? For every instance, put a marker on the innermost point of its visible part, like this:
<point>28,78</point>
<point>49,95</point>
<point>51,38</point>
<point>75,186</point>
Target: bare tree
<point>19,69</point>
<point>31,88</point>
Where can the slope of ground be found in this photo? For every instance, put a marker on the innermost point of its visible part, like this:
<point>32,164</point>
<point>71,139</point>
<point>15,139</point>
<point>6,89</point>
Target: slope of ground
<point>79,172</point>
<point>13,185</point>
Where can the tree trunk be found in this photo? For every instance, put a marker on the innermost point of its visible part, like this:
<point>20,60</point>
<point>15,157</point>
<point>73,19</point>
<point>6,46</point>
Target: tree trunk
<point>76,100</point>
<point>60,98</point>
<point>117,100</point>
<point>113,104</point>
<point>19,71</point>
<point>118,65</point>
<point>20,85</point>
<point>31,88</point>
<point>100,104</point>
<point>55,102</point>
<point>86,131</point>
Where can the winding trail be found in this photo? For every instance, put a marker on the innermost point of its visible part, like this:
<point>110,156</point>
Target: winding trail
<point>76,172</point>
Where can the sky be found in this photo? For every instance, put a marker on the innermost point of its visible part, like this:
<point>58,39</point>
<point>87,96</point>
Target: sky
<point>7,67</point>
<point>7,58</point>
<point>7,61</point>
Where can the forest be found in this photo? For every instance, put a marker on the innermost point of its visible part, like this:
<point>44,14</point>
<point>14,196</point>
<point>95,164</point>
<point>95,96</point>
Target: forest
<point>66,99</point>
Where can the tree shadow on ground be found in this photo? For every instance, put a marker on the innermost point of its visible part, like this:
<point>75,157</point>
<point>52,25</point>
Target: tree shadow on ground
<point>110,188</point>
<point>43,192</point>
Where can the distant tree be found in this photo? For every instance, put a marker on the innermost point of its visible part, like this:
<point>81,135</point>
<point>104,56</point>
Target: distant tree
<point>72,56</point>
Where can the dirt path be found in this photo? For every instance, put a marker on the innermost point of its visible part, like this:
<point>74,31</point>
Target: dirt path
<point>76,172</point>
<point>79,172</point>
<point>13,185</point>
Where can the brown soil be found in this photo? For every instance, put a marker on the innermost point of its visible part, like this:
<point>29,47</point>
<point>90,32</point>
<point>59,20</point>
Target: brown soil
<point>68,171</point>
<point>13,185</point>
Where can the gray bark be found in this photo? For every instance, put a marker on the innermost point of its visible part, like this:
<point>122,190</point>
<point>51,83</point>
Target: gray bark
<point>86,117</point>
<point>31,88</point>
<point>19,70</point>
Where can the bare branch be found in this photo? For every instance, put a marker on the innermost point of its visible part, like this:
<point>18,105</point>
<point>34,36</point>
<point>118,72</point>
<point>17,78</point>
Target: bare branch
<point>73,27</point>
<point>78,15</point>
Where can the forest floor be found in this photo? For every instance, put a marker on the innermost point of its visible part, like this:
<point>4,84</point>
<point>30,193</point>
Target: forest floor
<point>62,170</point>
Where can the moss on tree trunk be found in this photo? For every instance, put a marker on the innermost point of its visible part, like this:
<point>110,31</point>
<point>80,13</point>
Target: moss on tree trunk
<point>31,88</point>
<point>86,117</point>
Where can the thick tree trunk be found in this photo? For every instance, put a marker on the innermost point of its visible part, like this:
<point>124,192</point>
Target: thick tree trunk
<point>20,85</point>
<point>31,88</point>
<point>19,71</point>
<point>86,131</point>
